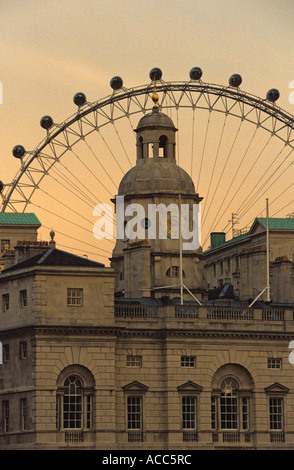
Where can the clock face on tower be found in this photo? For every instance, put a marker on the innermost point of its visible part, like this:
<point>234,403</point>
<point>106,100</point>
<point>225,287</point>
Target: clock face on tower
<point>171,225</point>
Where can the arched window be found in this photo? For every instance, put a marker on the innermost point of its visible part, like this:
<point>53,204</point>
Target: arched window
<point>174,271</point>
<point>72,403</point>
<point>74,399</point>
<point>163,140</point>
<point>140,147</point>
<point>231,401</point>
<point>229,408</point>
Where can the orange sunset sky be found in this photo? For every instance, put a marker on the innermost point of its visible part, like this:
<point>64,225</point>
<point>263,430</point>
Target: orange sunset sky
<point>52,49</point>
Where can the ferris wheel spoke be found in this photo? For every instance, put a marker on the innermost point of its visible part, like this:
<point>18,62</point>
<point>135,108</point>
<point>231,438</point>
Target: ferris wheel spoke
<point>215,222</point>
<point>86,148</point>
<point>225,165</point>
<point>215,161</point>
<point>204,148</point>
<point>121,143</point>
<point>76,239</point>
<point>271,183</point>
<point>192,141</point>
<point>246,205</point>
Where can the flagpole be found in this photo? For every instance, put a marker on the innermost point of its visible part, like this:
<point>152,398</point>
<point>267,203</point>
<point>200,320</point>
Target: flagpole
<point>181,253</point>
<point>267,252</point>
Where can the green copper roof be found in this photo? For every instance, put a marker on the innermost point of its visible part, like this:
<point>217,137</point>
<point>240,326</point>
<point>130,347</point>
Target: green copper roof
<point>18,218</point>
<point>228,242</point>
<point>277,223</point>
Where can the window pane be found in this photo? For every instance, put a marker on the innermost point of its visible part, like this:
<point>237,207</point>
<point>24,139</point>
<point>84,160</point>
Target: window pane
<point>245,413</point>
<point>276,413</point>
<point>229,404</point>
<point>74,297</point>
<point>134,408</point>
<point>213,413</point>
<point>72,403</point>
<point>188,361</point>
<point>189,412</point>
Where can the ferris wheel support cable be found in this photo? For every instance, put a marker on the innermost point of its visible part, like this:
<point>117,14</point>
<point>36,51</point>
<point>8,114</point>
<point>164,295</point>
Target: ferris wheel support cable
<point>278,177</point>
<point>270,204</point>
<point>203,149</point>
<point>110,151</point>
<point>229,187</point>
<point>225,165</point>
<point>248,173</point>
<point>64,218</point>
<point>72,187</point>
<point>88,252</point>
<point>245,207</point>
<point>278,119</point>
<point>284,207</point>
<point>123,147</point>
<point>192,143</point>
<point>76,239</point>
<point>71,209</point>
<point>88,169</point>
<point>214,165</point>
<point>78,182</point>
<point>97,159</point>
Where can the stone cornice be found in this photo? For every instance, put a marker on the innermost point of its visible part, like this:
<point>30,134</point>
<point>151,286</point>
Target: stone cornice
<point>161,333</point>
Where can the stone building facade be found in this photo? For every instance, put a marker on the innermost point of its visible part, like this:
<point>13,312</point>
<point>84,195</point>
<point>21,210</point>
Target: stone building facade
<point>90,363</point>
<point>241,261</point>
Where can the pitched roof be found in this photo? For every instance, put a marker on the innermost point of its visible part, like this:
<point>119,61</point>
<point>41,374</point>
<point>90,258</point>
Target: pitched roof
<point>18,218</point>
<point>228,242</point>
<point>278,223</point>
<point>55,257</point>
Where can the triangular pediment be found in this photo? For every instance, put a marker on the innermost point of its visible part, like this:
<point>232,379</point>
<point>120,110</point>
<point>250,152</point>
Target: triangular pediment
<point>190,387</point>
<point>256,227</point>
<point>135,386</point>
<point>276,388</point>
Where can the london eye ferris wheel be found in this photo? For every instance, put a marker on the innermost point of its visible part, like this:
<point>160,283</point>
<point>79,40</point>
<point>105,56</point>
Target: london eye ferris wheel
<point>237,147</point>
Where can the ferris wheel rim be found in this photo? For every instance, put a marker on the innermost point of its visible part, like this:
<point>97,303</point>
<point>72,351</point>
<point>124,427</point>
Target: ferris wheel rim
<point>225,92</point>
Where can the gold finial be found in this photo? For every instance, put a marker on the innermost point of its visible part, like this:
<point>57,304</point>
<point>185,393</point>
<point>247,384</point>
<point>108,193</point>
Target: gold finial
<point>155,97</point>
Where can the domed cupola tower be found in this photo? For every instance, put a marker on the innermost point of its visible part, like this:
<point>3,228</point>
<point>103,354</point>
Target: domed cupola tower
<point>149,264</point>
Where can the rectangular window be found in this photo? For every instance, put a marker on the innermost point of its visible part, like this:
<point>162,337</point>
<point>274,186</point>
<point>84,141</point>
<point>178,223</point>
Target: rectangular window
<point>5,245</point>
<point>74,297</point>
<point>189,413</point>
<point>228,264</point>
<point>213,413</point>
<point>5,408</point>
<point>274,363</point>
<point>5,352</point>
<point>23,298</point>
<point>134,361</point>
<point>134,412</point>
<point>5,302</point>
<point>89,411</point>
<point>276,413</point>
<point>23,414</point>
<point>23,351</point>
<point>221,268</point>
<point>245,413</point>
<point>229,411</point>
<point>188,361</point>
<point>175,271</point>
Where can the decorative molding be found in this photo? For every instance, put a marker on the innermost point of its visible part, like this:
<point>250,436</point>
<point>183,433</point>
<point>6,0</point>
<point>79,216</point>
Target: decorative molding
<point>190,387</point>
<point>277,388</point>
<point>135,386</point>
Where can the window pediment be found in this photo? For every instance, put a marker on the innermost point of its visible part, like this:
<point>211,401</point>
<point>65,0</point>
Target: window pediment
<point>135,386</point>
<point>190,387</point>
<point>276,388</point>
